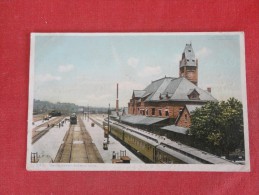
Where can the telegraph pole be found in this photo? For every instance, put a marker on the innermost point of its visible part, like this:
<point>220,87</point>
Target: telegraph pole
<point>88,113</point>
<point>108,124</point>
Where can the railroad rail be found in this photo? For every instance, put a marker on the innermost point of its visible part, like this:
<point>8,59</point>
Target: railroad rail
<point>51,121</point>
<point>78,146</point>
<point>36,135</point>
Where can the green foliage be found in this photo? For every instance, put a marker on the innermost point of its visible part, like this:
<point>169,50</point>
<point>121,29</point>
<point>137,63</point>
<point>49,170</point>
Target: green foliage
<point>65,108</point>
<point>218,126</point>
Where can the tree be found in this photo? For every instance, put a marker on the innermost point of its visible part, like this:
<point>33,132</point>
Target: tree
<point>218,126</point>
<point>232,125</point>
<point>204,126</point>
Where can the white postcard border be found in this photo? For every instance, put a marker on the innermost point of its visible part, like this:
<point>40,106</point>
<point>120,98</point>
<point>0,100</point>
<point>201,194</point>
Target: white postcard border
<point>138,167</point>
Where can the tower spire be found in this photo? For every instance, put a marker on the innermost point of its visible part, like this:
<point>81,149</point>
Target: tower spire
<point>188,66</point>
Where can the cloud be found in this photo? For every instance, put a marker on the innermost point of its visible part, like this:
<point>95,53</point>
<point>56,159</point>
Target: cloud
<point>133,62</point>
<point>66,68</point>
<point>150,71</point>
<point>203,52</point>
<point>48,77</point>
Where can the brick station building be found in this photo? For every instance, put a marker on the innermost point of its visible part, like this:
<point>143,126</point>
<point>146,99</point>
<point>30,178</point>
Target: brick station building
<point>166,97</point>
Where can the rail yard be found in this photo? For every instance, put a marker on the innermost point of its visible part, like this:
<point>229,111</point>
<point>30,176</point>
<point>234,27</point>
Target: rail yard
<point>44,127</point>
<point>58,140</point>
<point>81,139</point>
<point>78,147</point>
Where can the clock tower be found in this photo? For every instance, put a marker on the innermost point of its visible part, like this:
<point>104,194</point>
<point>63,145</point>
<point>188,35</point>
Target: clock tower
<point>188,66</point>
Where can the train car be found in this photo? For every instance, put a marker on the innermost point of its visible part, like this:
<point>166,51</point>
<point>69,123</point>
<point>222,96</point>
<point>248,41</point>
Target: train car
<point>141,145</point>
<point>144,147</point>
<point>73,119</point>
<point>157,149</point>
<point>117,132</point>
<point>165,155</point>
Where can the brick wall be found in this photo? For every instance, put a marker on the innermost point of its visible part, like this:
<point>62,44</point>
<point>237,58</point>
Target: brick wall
<point>172,108</point>
<point>184,120</point>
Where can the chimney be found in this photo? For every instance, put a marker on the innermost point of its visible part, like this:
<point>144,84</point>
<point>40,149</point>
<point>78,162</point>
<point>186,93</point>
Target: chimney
<point>209,89</point>
<point>117,100</point>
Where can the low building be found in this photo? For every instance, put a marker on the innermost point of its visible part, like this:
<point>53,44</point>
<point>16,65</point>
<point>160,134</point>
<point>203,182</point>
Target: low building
<point>179,131</point>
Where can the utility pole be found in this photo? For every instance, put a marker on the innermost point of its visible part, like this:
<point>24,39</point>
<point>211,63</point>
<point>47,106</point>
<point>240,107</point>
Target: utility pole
<point>88,113</point>
<point>108,124</point>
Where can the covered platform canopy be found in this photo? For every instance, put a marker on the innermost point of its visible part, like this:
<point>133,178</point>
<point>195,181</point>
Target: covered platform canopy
<point>175,129</point>
<point>141,120</point>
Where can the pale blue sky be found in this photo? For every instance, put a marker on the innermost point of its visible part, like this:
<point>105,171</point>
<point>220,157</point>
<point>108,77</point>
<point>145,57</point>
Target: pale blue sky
<point>85,69</point>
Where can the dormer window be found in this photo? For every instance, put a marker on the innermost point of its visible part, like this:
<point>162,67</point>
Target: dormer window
<point>189,50</point>
<point>193,95</point>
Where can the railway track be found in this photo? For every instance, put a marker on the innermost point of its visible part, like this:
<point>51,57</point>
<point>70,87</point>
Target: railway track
<point>78,146</point>
<point>50,122</point>
<point>36,135</point>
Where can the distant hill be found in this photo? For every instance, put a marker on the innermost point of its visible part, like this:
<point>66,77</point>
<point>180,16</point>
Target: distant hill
<point>40,106</point>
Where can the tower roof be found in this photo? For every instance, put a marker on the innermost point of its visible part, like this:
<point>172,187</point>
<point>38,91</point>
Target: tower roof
<point>188,56</point>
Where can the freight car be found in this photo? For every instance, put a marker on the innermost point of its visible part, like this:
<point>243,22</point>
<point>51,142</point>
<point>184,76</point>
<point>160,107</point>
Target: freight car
<point>73,119</point>
<point>157,149</point>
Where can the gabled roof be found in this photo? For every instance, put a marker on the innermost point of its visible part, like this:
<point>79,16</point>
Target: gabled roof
<point>181,93</point>
<point>177,89</point>
<point>138,93</point>
<point>160,89</point>
<point>157,87</point>
<point>191,91</point>
<point>190,108</point>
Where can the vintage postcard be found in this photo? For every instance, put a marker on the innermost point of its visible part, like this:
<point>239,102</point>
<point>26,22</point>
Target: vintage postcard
<point>138,102</point>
